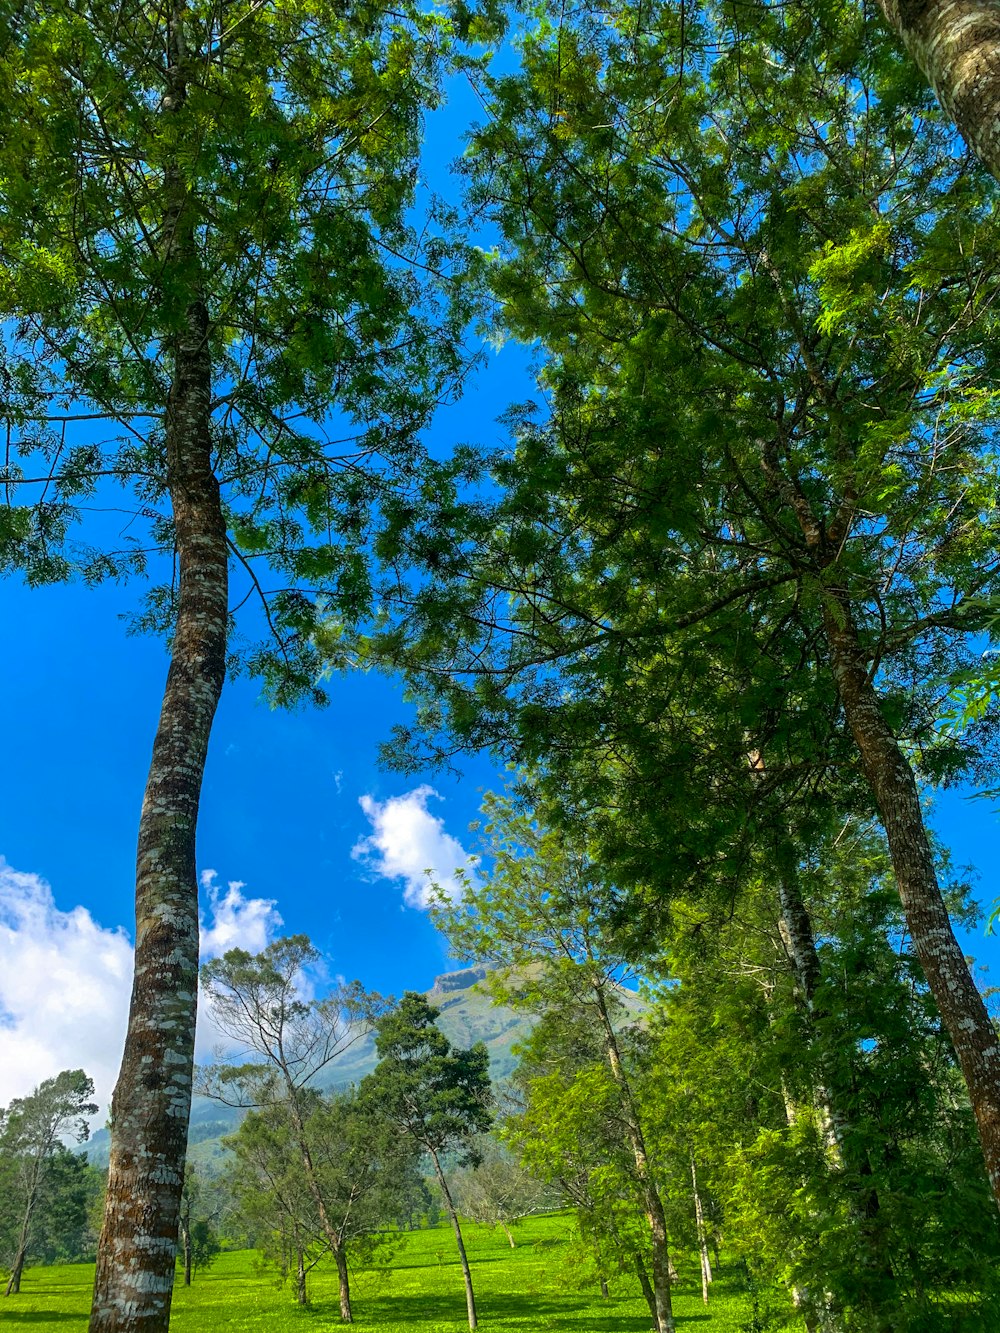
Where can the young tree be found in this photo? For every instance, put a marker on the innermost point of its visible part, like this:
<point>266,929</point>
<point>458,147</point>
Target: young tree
<point>437,1094</point>
<point>205,243</point>
<point>255,1000</point>
<point>31,1131</point>
<point>498,1191</point>
<point>198,1241</point>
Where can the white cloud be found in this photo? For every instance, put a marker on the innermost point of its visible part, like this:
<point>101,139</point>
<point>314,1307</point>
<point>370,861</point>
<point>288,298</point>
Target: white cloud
<point>407,842</point>
<point>65,979</point>
<point>237,922</point>
<point>64,989</point>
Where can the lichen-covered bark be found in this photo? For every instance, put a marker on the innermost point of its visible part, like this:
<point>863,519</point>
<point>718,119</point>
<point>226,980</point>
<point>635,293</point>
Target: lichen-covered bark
<point>956,45</point>
<point>891,779</point>
<point>150,1109</point>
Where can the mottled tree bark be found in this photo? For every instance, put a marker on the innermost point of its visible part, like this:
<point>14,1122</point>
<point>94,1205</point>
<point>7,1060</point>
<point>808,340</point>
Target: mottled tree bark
<point>891,779</point>
<point>470,1299</point>
<point>152,1099</point>
<point>662,1275</point>
<point>956,45</point>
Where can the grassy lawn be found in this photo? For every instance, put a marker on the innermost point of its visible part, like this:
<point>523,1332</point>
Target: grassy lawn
<point>529,1288</point>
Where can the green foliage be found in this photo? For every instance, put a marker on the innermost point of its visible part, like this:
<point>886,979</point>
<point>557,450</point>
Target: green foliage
<point>46,1188</point>
<point>289,168</point>
<point>437,1093</point>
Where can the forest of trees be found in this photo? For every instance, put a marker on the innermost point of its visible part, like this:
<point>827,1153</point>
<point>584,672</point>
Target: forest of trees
<point>725,602</point>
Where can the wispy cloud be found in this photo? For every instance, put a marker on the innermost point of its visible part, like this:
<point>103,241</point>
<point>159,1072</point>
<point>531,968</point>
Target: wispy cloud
<point>407,842</point>
<point>65,979</point>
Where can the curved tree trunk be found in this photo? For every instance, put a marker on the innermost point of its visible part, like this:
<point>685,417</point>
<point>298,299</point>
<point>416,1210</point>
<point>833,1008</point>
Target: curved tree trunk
<point>891,780</point>
<point>956,45</point>
<point>152,1099</point>
<point>470,1300</point>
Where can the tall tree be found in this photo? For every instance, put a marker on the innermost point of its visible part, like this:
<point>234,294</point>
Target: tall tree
<point>735,542</point>
<point>203,229</point>
<point>31,1133</point>
<point>437,1094</point>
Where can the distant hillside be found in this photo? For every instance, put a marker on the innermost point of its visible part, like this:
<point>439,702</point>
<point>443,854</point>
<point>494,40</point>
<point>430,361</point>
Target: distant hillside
<point>466,1017</point>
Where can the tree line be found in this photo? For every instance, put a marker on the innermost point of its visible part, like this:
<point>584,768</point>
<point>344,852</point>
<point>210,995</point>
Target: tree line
<point>724,602</point>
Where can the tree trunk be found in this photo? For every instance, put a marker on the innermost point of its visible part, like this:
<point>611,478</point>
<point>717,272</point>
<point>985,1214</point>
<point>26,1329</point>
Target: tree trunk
<point>956,45</point>
<point>470,1300</point>
<point>892,783</point>
<point>605,1294</point>
<point>21,1254</point>
<point>841,1134</point>
<point>152,1099</point>
<point>699,1217</point>
<point>186,1245</point>
<point>300,1277</point>
<point>344,1283</point>
<point>647,1290</point>
<point>507,1232</point>
<point>651,1198</point>
<point>14,1282</point>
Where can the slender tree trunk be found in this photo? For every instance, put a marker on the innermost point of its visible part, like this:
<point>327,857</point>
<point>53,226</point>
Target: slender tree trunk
<point>470,1300</point>
<point>21,1254</point>
<point>344,1284</point>
<point>507,1232</point>
<point>647,1290</point>
<point>842,1137</point>
<point>330,1232</point>
<point>605,1294</point>
<point>956,45</point>
<point>892,783</point>
<point>186,1246</point>
<point>662,1273</point>
<point>152,1100</point>
<point>300,1277</point>
<point>699,1217</point>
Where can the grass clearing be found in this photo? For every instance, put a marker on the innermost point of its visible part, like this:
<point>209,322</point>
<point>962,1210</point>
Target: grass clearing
<point>530,1288</point>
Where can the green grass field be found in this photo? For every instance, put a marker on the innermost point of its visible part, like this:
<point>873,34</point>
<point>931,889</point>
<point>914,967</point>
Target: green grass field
<point>533,1287</point>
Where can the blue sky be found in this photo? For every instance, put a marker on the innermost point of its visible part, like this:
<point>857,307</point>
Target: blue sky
<point>296,812</point>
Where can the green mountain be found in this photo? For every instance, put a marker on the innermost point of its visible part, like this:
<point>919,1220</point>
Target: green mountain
<point>467,1016</point>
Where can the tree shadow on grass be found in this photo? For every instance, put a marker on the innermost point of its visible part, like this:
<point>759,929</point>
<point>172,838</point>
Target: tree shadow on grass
<point>567,1313</point>
<point>13,1317</point>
